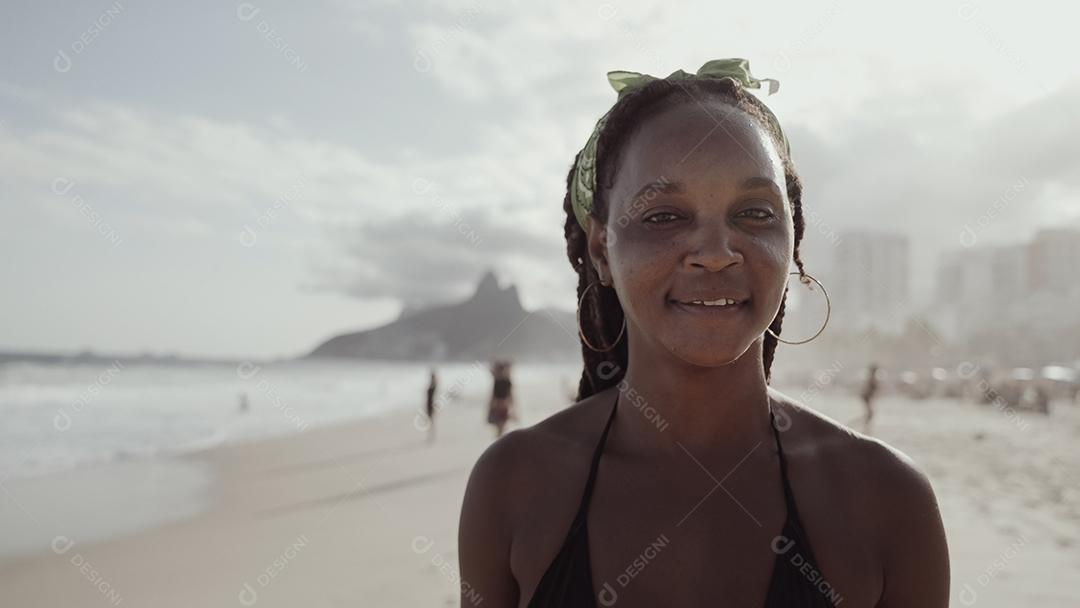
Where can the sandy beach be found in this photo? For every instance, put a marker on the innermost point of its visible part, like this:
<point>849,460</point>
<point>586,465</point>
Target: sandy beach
<point>365,513</point>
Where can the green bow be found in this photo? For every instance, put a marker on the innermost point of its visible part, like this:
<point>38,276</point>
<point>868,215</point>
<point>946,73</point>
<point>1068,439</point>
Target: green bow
<point>583,186</point>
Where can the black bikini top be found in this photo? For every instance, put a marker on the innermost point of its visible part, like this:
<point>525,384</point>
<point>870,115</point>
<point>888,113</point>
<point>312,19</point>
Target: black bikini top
<point>796,580</point>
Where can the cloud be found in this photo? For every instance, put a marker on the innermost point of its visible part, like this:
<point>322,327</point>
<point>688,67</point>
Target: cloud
<point>1040,140</point>
<point>929,169</point>
<point>483,51</point>
<point>430,256</point>
<point>369,225</point>
<point>396,222</point>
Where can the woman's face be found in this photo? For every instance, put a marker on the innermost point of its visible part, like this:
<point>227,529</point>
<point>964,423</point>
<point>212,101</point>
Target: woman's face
<point>698,211</point>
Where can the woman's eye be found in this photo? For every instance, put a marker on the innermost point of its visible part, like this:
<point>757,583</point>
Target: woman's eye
<point>758,214</point>
<point>652,218</point>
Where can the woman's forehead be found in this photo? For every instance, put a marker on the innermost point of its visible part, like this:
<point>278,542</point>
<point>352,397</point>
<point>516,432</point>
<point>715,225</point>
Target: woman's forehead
<point>691,143</point>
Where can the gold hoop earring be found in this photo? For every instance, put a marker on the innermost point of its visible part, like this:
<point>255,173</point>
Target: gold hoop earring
<point>581,333</point>
<point>828,312</point>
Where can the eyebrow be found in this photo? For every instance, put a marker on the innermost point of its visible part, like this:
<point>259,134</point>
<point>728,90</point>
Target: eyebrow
<point>659,186</point>
<point>761,182</point>
<point>665,186</point>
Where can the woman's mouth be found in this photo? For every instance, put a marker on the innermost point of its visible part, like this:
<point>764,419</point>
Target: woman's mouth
<point>714,308</point>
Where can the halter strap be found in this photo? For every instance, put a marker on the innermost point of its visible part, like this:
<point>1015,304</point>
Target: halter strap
<point>583,508</point>
<point>789,495</point>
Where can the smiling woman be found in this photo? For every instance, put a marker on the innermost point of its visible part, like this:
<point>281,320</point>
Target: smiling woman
<point>685,209</point>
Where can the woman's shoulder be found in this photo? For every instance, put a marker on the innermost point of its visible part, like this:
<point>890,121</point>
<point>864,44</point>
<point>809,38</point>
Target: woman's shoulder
<point>885,492</point>
<point>853,455</point>
<point>531,451</point>
<point>522,484</point>
<point>549,454</point>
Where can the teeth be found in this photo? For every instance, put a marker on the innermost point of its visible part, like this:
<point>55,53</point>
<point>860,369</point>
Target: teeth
<point>720,302</point>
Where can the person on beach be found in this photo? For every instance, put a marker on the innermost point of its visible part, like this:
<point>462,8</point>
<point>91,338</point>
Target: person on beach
<point>568,388</point>
<point>667,483</point>
<point>430,407</point>
<point>870,388</point>
<point>500,409</point>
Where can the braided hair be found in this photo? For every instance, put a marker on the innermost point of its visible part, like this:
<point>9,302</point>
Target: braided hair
<point>600,312</point>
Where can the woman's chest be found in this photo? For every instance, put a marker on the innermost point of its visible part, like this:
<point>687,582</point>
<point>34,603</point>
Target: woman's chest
<point>694,538</point>
<point>679,544</point>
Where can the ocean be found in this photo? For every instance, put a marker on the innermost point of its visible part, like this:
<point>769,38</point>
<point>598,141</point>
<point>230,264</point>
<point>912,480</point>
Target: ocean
<point>60,416</point>
<point>99,435</point>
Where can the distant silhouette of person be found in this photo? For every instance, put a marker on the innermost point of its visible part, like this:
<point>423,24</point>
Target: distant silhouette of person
<point>569,389</point>
<point>243,405</point>
<point>430,408</point>
<point>869,390</point>
<point>1009,393</point>
<point>500,410</point>
<point>1038,398</point>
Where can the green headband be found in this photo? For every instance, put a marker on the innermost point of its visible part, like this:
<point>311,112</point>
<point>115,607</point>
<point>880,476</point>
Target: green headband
<point>583,186</point>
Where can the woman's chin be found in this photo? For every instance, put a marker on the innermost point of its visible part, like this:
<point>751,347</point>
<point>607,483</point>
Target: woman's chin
<point>709,354</point>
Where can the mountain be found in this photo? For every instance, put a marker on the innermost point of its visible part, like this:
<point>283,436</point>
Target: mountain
<point>491,323</point>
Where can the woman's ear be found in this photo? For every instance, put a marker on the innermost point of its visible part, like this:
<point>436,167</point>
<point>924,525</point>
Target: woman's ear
<point>599,237</point>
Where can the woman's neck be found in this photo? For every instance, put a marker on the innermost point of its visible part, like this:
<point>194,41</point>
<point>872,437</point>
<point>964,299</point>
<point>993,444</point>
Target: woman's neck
<point>667,404</point>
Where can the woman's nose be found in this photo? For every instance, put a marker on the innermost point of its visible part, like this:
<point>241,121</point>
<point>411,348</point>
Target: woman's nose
<point>713,247</point>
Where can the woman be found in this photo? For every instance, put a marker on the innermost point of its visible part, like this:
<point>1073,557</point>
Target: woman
<point>500,409</point>
<point>429,407</point>
<point>869,390</point>
<point>685,199</point>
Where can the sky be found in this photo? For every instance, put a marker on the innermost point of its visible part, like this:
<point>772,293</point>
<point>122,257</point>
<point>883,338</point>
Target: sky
<point>246,179</point>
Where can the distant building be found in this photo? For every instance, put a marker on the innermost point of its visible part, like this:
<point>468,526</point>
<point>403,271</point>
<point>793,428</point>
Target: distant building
<point>980,287</point>
<point>872,280</point>
<point>1054,260</point>
<point>1028,286</point>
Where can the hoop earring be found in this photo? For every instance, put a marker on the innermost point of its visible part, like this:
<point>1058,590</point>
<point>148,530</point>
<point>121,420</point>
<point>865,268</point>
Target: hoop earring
<point>581,333</point>
<point>828,312</point>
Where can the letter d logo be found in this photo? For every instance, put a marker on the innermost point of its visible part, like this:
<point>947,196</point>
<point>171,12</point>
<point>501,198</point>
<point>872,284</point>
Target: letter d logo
<point>61,63</point>
<point>62,544</point>
<point>607,596</point>
<point>968,595</point>
<point>247,595</point>
<point>776,542</point>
